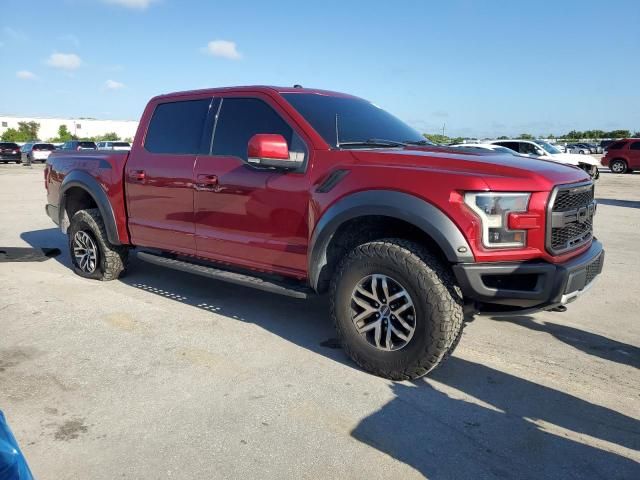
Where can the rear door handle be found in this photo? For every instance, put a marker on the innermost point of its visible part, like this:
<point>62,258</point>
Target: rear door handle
<point>137,175</point>
<point>208,179</point>
<point>207,182</point>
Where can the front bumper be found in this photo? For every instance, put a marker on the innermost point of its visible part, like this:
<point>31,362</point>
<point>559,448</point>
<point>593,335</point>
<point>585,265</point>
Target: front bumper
<point>507,288</point>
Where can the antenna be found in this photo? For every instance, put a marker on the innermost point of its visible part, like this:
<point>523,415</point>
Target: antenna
<point>337,133</point>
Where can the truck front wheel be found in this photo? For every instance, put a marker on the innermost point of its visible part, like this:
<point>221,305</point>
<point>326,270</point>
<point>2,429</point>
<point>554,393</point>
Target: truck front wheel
<point>396,308</point>
<point>91,253</point>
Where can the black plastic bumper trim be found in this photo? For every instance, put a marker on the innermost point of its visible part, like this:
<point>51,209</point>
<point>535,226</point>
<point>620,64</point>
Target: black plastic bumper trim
<point>553,281</point>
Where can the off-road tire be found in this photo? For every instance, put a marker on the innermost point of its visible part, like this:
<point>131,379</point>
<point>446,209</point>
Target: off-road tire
<point>437,300</point>
<point>112,259</point>
<point>623,164</point>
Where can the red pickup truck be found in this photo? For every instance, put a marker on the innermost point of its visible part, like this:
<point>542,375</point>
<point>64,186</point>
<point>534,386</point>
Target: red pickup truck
<point>303,192</point>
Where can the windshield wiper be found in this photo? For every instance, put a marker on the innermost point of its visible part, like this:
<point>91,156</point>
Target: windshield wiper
<point>373,142</point>
<point>419,142</point>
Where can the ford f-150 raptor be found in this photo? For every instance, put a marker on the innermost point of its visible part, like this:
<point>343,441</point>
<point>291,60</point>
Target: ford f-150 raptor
<point>300,192</point>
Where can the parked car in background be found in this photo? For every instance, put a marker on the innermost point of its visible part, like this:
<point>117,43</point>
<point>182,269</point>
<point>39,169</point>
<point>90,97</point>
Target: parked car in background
<point>623,156</point>
<point>486,147</point>
<point>9,152</point>
<point>580,148</point>
<point>546,151</point>
<point>78,145</point>
<point>36,152</point>
<point>595,147</point>
<point>125,146</point>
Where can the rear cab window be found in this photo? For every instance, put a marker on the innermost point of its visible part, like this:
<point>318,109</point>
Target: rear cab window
<point>634,146</point>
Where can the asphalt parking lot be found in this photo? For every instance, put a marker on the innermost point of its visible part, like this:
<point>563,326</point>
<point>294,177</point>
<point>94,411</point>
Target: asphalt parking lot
<point>166,375</point>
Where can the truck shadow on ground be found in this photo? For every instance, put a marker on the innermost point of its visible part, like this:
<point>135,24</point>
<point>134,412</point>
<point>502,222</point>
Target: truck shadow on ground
<point>488,424</point>
<point>618,203</point>
<point>587,342</point>
<point>510,428</point>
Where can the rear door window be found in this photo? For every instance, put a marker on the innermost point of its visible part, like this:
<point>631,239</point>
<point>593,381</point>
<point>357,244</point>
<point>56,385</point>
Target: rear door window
<point>634,146</point>
<point>176,127</point>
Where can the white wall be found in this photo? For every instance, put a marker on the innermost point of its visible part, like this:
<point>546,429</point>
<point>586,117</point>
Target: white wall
<point>80,127</point>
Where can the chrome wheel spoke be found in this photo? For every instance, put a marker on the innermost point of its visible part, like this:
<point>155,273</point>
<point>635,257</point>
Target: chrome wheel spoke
<point>383,312</point>
<point>85,251</point>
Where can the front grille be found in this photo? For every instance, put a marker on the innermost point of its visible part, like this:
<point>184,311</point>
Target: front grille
<point>565,200</point>
<point>570,222</point>
<point>593,269</point>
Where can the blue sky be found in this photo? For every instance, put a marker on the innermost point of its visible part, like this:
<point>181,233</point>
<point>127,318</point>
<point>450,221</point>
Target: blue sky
<point>480,67</point>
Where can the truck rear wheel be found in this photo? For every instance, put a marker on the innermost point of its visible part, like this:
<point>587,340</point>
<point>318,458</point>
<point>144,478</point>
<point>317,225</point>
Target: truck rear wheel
<point>91,253</point>
<point>396,308</point>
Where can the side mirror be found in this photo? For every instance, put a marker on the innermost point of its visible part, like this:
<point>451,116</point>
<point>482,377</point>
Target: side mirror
<point>271,150</point>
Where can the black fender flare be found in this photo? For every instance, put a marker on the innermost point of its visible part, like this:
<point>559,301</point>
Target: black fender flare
<point>409,208</point>
<point>83,180</point>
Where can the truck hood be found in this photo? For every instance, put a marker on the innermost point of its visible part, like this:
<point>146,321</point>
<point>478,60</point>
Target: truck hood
<point>574,159</point>
<point>499,172</point>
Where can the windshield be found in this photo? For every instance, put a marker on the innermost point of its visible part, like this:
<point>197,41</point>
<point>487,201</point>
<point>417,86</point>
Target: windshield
<point>548,147</point>
<point>358,121</point>
<point>503,150</point>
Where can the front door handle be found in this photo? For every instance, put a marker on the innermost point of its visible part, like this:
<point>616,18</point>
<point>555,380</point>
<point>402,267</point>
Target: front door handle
<point>137,175</point>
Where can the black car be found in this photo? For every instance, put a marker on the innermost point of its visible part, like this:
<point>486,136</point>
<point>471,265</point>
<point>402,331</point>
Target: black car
<point>9,152</point>
<point>79,145</point>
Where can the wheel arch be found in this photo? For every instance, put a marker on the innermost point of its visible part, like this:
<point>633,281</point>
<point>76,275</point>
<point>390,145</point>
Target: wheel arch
<point>411,216</point>
<point>79,181</point>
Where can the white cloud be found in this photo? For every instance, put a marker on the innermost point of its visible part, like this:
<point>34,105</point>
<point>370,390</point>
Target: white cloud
<point>138,4</point>
<point>65,61</point>
<point>113,85</point>
<point>223,48</point>
<point>25,75</point>
<point>71,38</point>
<point>14,34</point>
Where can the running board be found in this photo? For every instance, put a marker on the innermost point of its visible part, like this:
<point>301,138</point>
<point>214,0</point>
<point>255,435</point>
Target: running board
<point>227,276</point>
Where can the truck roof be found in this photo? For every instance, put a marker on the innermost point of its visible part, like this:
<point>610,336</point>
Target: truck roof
<point>255,89</point>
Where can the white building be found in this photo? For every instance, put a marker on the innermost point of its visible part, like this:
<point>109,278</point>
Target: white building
<point>81,127</point>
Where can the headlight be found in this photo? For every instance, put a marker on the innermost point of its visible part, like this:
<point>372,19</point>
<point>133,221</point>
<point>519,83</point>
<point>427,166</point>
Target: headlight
<point>493,210</point>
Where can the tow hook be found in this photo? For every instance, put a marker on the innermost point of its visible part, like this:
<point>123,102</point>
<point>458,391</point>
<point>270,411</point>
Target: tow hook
<point>559,308</point>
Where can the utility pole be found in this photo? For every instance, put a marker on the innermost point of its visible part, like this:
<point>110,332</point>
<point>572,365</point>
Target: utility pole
<point>443,128</point>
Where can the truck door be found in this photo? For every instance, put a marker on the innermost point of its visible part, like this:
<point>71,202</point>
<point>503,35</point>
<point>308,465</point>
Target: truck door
<point>244,214</point>
<point>159,174</point>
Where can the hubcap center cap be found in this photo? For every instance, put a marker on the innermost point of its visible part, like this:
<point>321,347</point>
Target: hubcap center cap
<point>385,311</point>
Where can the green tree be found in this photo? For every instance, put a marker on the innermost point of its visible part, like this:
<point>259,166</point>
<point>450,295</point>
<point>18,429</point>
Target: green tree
<point>525,136</point>
<point>26,131</point>
<point>503,137</point>
<point>108,137</point>
<point>636,134</point>
<point>619,134</point>
<point>64,135</point>
<point>437,137</point>
<point>11,135</point>
<point>29,130</point>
